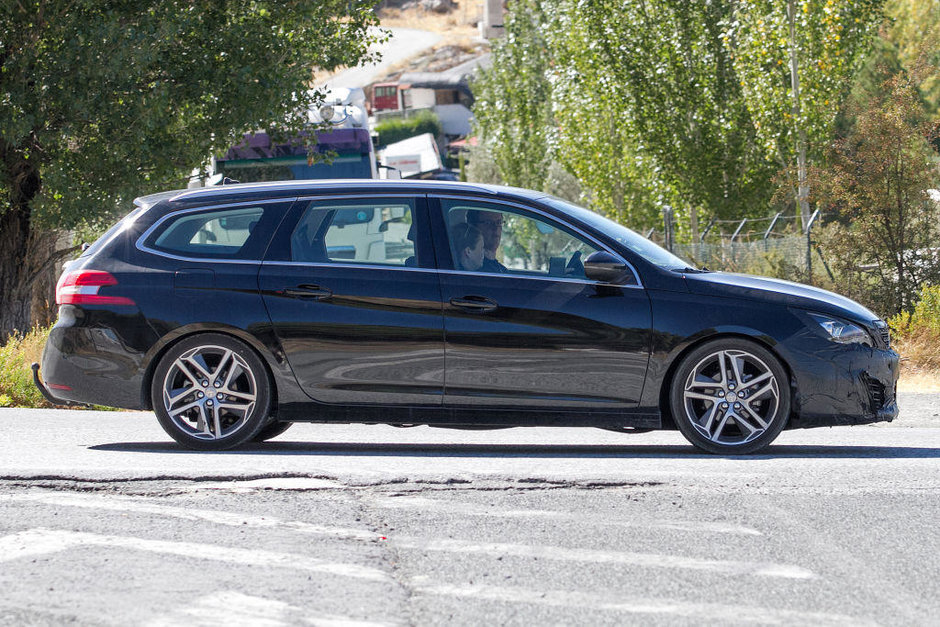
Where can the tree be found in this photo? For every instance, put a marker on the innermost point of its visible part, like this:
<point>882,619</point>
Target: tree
<point>794,61</point>
<point>102,100</point>
<point>512,111</point>
<point>879,181</point>
<point>664,69</point>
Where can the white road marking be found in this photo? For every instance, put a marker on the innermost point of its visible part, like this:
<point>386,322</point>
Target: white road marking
<point>234,609</point>
<point>699,612</point>
<point>473,509</point>
<point>44,541</point>
<point>650,560</point>
<point>136,505</point>
<point>229,608</point>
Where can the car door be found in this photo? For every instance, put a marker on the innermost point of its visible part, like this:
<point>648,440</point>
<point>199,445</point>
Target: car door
<point>354,299</point>
<point>526,329</point>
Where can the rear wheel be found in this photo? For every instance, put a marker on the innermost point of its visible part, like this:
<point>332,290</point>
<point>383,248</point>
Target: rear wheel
<point>211,392</point>
<point>730,397</point>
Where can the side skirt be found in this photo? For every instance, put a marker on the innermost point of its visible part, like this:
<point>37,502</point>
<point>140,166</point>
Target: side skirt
<point>642,418</point>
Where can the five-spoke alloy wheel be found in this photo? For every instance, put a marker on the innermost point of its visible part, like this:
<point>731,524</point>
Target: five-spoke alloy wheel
<point>211,392</point>
<point>730,396</point>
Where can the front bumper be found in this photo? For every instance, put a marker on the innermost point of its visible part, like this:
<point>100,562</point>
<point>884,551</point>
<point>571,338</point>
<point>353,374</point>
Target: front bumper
<point>835,384</point>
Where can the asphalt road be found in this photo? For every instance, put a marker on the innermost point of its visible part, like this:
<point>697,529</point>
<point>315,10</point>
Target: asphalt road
<point>103,520</point>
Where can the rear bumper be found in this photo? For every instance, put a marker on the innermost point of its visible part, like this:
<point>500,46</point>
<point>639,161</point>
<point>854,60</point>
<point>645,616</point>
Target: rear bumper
<point>91,364</point>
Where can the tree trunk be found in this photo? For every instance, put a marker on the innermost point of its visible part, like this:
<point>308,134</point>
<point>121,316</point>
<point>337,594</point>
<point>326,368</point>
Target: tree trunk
<point>16,272</point>
<point>15,293</point>
<point>802,194</point>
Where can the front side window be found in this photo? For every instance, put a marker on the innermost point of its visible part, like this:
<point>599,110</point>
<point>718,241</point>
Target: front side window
<point>218,233</point>
<point>638,244</point>
<point>486,237</point>
<point>368,232</point>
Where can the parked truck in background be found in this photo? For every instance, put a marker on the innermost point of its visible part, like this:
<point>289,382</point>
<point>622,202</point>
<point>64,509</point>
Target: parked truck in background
<point>345,150</point>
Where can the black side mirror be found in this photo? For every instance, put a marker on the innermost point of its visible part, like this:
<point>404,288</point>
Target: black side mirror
<point>604,267</point>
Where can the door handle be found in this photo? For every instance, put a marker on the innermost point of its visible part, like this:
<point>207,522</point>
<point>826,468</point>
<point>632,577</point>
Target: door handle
<point>314,292</point>
<point>475,304</point>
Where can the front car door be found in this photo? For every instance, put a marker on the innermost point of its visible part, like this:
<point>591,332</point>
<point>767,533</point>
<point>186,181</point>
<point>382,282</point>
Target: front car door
<point>354,299</point>
<point>526,329</point>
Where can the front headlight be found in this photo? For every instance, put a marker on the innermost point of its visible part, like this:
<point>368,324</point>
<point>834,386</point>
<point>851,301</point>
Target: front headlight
<point>841,331</point>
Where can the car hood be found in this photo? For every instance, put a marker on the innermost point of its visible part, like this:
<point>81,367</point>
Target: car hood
<point>724,284</point>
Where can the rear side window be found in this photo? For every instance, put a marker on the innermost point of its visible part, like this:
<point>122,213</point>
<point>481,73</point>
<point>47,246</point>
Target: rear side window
<point>376,231</point>
<point>221,233</point>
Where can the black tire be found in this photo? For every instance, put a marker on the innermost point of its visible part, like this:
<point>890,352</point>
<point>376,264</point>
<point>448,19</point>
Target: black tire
<point>272,430</point>
<point>225,409</point>
<point>746,415</point>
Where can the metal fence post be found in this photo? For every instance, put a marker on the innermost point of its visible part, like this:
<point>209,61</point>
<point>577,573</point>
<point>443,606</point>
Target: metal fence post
<point>809,246</point>
<point>667,225</point>
<point>770,229</point>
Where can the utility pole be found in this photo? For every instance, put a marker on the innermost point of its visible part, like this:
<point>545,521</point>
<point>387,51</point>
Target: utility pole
<point>802,194</point>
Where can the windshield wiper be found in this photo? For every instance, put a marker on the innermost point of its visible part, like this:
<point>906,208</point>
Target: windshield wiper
<point>691,270</point>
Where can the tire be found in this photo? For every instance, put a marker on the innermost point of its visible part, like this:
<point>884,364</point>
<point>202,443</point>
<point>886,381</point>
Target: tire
<point>272,430</point>
<point>211,392</point>
<point>751,403</point>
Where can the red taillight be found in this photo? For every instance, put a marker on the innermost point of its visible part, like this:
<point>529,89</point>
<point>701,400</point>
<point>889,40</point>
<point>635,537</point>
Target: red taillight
<point>81,288</point>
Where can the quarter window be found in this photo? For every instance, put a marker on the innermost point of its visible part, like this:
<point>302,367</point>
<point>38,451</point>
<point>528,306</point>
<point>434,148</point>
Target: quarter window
<point>367,232</point>
<point>216,233</point>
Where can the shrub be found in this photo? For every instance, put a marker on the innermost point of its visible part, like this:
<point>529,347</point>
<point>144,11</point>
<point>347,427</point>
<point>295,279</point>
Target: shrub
<point>16,377</point>
<point>917,333</point>
<point>425,121</point>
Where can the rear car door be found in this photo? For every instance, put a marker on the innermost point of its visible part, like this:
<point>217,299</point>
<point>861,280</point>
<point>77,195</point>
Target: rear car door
<point>531,330</point>
<point>354,299</point>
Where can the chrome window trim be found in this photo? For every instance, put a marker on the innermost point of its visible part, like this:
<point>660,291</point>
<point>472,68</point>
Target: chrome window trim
<point>554,279</point>
<point>139,244</point>
<point>600,245</point>
<point>366,266</point>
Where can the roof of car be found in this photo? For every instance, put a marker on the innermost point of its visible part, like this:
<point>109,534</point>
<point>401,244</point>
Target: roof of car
<point>304,187</point>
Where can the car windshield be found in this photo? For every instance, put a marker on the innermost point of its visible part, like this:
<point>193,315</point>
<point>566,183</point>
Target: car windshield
<point>643,247</point>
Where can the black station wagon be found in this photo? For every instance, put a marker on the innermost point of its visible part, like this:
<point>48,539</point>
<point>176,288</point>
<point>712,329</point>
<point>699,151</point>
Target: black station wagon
<point>234,311</point>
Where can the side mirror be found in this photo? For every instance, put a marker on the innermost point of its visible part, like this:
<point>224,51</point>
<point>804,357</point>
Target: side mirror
<point>604,267</point>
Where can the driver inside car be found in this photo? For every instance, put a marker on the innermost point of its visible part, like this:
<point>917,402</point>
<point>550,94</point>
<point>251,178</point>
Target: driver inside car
<point>490,223</point>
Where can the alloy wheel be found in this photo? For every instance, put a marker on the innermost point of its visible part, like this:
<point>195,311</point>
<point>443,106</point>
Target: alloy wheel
<point>209,392</point>
<point>731,397</point>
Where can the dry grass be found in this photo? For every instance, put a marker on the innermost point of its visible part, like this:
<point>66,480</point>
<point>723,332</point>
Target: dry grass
<point>457,28</point>
<point>918,380</point>
<point>460,23</point>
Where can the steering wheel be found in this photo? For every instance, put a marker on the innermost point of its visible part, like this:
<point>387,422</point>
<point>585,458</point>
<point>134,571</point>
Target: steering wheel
<point>575,268</point>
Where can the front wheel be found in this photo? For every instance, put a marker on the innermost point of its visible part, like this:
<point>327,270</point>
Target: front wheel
<point>211,392</point>
<point>730,397</point>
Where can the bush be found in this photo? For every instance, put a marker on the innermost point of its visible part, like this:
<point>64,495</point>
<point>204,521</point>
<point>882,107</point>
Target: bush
<point>425,121</point>
<point>917,333</point>
<point>16,377</point>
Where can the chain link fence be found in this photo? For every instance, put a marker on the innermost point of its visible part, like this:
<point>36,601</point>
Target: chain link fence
<point>776,245</point>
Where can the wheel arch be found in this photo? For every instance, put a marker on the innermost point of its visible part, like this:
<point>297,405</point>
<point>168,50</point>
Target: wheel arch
<point>168,341</point>
<point>679,355</point>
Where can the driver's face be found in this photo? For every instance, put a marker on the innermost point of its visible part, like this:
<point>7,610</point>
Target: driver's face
<point>490,224</point>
